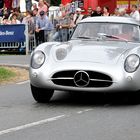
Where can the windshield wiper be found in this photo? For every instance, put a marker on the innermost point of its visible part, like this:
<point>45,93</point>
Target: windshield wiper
<point>83,37</point>
<point>111,36</point>
<point>87,37</point>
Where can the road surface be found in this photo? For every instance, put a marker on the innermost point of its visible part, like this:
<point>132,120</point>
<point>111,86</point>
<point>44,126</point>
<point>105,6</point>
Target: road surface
<point>69,116</point>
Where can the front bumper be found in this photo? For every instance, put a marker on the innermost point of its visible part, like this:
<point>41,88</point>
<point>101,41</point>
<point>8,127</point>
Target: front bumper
<point>121,80</point>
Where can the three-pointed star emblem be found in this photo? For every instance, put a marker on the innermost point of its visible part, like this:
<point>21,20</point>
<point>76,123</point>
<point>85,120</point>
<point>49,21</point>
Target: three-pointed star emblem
<point>81,79</point>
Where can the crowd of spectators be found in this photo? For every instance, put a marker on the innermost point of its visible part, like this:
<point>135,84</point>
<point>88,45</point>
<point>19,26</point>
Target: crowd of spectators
<point>10,9</point>
<point>35,16</point>
<point>69,15</point>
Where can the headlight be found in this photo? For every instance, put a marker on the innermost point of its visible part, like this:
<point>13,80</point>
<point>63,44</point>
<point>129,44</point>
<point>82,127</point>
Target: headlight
<point>37,59</point>
<point>132,63</point>
<point>61,53</point>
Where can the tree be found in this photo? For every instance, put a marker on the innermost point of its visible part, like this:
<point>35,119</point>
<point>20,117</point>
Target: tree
<point>55,2</point>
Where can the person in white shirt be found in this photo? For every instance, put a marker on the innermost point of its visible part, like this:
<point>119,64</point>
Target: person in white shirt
<point>135,13</point>
<point>78,16</point>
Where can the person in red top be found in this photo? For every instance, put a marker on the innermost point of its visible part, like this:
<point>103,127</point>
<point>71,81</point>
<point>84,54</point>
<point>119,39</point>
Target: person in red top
<point>8,5</point>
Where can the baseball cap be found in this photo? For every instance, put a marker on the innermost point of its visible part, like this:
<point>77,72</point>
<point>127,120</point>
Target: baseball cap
<point>42,13</point>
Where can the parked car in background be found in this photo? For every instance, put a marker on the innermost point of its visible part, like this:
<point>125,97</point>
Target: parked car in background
<point>103,55</point>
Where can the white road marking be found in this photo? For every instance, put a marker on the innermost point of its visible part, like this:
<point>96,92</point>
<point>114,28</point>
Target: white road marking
<point>90,109</point>
<point>29,125</point>
<point>24,82</point>
<point>86,110</point>
<point>79,112</point>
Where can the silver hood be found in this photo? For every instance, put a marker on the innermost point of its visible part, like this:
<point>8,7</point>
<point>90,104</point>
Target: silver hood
<point>97,52</point>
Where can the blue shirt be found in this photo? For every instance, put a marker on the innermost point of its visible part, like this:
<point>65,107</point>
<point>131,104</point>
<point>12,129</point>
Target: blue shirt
<point>44,23</point>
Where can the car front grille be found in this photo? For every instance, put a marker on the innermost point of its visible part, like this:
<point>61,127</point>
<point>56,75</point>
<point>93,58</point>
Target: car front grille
<point>93,79</point>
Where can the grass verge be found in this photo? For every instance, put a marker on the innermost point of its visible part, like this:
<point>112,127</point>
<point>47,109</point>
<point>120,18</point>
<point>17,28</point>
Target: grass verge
<point>6,74</point>
<point>11,75</point>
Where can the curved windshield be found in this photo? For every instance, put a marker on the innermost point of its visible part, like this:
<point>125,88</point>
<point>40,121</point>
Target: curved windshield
<point>109,31</point>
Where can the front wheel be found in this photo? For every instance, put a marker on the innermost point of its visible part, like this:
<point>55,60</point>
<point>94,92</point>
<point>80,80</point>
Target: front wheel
<point>41,95</point>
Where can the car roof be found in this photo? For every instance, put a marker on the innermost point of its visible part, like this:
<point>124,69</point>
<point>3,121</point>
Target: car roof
<point>112,19</point>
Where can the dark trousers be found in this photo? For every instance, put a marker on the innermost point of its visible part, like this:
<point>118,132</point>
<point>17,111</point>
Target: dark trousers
<point>39,37</point>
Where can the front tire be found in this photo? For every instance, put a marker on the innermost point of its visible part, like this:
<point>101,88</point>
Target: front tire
<point>42,95</point>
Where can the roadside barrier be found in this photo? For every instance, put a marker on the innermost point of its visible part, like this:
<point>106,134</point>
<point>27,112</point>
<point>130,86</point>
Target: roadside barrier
<point>14,36</point>
<point>17,37</point>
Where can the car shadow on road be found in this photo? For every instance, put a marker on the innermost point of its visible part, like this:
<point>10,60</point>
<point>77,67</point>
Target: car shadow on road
<point>96,99</point>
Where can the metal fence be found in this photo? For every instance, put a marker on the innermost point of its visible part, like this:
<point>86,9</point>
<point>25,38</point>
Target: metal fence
<point>33,42</point>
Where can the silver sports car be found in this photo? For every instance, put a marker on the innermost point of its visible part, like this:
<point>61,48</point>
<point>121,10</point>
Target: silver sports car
<point>102,55</point>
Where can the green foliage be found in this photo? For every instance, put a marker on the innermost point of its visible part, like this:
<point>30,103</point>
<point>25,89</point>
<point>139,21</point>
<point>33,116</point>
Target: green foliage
<point>6,74</point>
<point>55,2</point>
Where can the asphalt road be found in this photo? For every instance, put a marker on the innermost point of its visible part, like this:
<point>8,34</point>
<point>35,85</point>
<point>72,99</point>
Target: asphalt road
<point>69,116</point>
<point>15,59</point>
